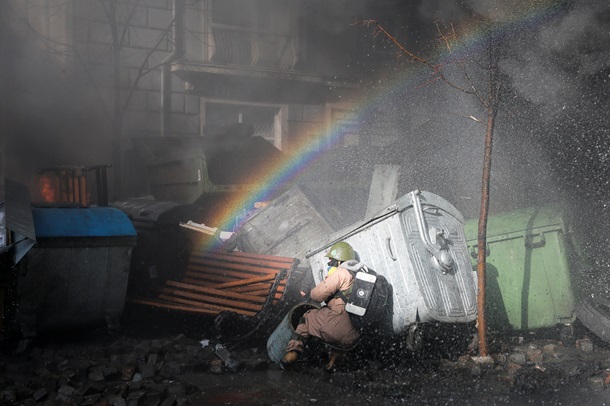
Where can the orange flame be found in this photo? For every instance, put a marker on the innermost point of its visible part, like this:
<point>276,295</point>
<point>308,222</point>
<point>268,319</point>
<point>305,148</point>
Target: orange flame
<point>46,189</point>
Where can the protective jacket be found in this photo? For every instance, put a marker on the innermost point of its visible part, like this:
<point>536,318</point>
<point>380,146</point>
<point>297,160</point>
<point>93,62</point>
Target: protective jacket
<point>330,323</point>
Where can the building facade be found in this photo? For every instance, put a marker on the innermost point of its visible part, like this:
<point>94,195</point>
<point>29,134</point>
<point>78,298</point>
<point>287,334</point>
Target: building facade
<point>176,68</point>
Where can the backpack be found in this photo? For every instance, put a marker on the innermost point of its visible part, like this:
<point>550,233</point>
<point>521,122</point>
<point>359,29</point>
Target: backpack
<point>369,304</point>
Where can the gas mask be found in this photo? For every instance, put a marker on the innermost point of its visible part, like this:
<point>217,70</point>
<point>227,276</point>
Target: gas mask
<point>332,262</point>
<point>332,266</point>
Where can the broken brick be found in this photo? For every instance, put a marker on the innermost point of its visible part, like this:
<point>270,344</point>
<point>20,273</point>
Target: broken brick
<point>127,373</point>
<point>64,393</point>
<point>534,355</point>
<point>147,371</point>
<point>518,358</point>
<point>152,359</point>
<point>584,345</point>
<point>96,374</point>
<point>40,394</point>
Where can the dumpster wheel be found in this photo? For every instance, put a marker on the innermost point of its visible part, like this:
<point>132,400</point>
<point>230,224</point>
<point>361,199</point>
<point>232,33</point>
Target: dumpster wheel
<point>594,314</point>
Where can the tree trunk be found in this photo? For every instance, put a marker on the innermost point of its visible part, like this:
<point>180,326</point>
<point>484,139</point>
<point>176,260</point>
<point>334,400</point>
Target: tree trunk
<point>482,231</point>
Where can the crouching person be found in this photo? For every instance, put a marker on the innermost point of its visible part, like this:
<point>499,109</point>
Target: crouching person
<point>330,323</point>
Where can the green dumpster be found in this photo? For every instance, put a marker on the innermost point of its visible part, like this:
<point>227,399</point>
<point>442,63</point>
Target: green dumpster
<point>528,282</point>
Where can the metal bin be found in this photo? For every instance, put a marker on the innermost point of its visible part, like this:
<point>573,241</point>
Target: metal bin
<point>77,272</point>
<point>528,283</point>
<point>418,244</point>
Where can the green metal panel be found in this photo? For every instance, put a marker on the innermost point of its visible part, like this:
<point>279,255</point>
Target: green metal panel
<point>528,282</point>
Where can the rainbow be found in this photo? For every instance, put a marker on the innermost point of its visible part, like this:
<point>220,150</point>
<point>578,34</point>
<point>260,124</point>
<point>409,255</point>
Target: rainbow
<point>270,179</point>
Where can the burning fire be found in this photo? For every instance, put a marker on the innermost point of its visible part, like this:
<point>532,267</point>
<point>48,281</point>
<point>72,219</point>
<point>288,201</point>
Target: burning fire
<point>46,189</point>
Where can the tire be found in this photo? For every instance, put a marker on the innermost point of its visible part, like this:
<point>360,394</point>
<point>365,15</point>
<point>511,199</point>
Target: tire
<point>594,314</point>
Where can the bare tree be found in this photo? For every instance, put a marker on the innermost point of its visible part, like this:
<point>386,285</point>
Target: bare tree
<point>119,16</point>
<point>486,92</point>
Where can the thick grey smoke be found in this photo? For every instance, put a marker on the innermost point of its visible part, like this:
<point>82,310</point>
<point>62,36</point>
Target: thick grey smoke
<point>551,66</point>
<point>48,120</point>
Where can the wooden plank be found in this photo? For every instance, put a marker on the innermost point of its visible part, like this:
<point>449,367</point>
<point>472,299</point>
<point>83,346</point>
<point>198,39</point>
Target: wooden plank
<point>247,281</point>
<point>211,308</point>
<point>198,282</point>
<point>245,273</point>
<point>246,257</point>
<point>213,300</point>
<point>234,266</point>
<point>269,257</point>
<point>156,303</point>
<point>261,292</point>
<point>249,262</point>
<point>215,292</point>
<point>195,303</point>
<point>203,277</point>
<point>256,286</point>
<point>238,288</point>
<point>238,282</point>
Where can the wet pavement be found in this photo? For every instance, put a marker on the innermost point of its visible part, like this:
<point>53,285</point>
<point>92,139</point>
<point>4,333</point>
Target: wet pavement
<point>176,362</point>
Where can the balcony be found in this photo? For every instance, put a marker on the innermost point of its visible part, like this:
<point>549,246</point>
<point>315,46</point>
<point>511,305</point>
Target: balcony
<point>240,46</point>
<point>248,64</point>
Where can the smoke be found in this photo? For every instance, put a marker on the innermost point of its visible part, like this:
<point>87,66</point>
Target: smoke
<point>552,66</point>
<point>49,119</point>
<point>551,139</point>
<point>580,41</point>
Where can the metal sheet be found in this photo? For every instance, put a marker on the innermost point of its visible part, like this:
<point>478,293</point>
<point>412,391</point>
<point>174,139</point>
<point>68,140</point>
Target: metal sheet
<point>144,208</point>
<point>148,213</point>
<point>64,287</point>
<point>288,226</point>
<point>19,209</point>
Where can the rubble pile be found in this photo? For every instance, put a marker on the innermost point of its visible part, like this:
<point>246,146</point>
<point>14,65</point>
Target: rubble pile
<point>126,372</point>
<point>518,370</point>
<point>178,370</point>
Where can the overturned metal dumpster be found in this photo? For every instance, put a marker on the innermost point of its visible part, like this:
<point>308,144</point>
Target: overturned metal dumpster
<point>418,244</point>
<point>163,246</point>
<point>288,226</point>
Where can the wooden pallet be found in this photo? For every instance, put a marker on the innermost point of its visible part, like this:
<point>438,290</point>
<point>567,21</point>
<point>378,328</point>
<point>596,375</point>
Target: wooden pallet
<point>243,283</point>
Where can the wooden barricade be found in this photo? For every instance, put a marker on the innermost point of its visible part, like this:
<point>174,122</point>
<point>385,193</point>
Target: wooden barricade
<point>240,282</point>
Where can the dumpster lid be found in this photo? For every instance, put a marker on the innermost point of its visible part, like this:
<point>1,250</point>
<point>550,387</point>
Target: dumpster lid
<point>81,222</point>
<point>427,199</point>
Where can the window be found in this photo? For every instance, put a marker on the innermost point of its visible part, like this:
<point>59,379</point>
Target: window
<point>256,33</point>
<point>265,119</point>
